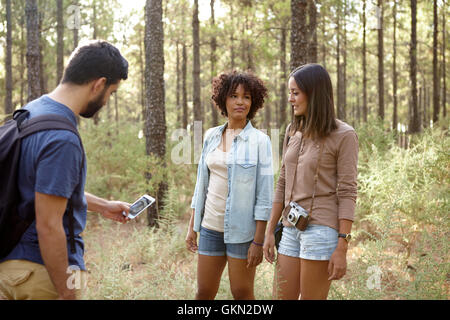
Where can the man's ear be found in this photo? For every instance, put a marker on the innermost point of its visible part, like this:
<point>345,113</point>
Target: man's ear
<point>98,85</point>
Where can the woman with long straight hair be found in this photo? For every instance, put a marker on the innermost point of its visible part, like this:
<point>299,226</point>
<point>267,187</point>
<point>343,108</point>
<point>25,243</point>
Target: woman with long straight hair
<point>233,193</point>
<point>316,188</point>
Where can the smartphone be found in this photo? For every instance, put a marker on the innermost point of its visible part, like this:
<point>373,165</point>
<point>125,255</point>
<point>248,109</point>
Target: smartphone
<point>139,206</point>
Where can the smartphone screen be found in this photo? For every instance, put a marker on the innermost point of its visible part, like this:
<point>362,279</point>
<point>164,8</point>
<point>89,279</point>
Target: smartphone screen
<point>140,205</point>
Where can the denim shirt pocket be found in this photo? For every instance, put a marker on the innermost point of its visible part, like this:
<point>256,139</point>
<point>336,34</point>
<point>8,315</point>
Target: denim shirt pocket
<point>245,171</point>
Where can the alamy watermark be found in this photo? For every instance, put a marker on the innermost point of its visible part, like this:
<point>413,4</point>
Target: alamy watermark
<point>74,21</point>
<point>374,280</point>
<point>188,150</point>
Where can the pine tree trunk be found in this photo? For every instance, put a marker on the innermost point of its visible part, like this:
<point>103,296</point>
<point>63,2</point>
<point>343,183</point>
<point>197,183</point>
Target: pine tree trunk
<point>215,120</point>
<point>339,67</point>
<point>414,123</point>
<point>184,86</point>
<point>435,64</point>
<point>8,61</point>
<point>299,39</point>
<point>23,46</point>
<point>59,41</point>
<point>283,79</point>
<point>178,90</point>
<point>155,119</point>
<point>198,112</point>
<point>380,62</point>
<point>42,77</point>
<point>444,47</point>
<point>344,67</point>
<point>94,36</point>
<point>312,48</point>
<point>394,68</point>
<point>76,26</point>
<point>324,50</point>
<point>33,65</point>
<point>364,64</point>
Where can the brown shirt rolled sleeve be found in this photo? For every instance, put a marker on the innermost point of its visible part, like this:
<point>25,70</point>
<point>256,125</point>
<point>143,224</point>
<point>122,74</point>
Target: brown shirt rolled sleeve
<point>336,188</point>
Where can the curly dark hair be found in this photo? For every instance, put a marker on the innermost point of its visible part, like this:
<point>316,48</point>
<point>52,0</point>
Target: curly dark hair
<point>225,85</point>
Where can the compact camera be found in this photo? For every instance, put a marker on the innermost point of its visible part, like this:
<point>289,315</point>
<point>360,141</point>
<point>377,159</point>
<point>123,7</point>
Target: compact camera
<point>298,216</point>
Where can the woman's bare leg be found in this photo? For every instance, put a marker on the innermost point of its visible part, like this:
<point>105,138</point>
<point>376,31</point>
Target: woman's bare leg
<point>287,278</point>
<point>209,272</point>
<point>314,283</point>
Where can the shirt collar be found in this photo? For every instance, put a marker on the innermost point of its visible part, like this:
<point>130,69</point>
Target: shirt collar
<point>243,134</point>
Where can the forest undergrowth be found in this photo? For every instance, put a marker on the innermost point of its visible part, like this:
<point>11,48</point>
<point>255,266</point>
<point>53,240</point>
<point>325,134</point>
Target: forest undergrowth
<point>400,246</point>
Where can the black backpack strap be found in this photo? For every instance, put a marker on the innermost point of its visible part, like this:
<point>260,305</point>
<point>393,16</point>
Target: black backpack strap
<point>50,122</point>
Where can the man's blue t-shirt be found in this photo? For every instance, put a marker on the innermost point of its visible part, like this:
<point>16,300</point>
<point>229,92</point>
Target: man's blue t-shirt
<point>51,163</point>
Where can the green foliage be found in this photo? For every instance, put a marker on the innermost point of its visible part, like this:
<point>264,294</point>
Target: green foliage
<point>400,231</point>
<point>402,218</point>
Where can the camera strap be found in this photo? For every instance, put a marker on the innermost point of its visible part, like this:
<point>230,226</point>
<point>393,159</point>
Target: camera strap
<point>316,174</point>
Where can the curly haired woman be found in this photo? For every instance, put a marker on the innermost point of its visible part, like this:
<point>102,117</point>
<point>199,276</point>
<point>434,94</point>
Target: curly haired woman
<point>233,193</point>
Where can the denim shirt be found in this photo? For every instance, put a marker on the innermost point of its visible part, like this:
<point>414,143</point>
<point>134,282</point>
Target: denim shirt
<point>250,182</point>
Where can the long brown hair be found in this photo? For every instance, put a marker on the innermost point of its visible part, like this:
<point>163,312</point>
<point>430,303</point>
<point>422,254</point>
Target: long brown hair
<point>320,120</point>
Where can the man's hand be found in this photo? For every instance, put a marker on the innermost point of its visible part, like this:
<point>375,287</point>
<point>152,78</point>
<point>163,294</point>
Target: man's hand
<point>114,210</point>
<point>109,209</point>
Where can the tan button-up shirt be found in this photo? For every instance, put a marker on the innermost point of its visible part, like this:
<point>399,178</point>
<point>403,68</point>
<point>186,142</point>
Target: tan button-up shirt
<point>336,188</point>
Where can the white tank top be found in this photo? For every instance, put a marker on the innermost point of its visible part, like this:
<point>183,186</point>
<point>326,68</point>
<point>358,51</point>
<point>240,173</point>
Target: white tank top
<point>216,197</point>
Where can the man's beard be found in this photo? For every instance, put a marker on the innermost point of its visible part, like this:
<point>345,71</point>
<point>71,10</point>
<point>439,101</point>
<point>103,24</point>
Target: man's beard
<point>94,106</point>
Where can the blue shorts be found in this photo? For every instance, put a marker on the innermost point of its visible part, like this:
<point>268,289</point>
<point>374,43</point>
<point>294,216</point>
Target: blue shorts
<point>317,242</point>
<point>211,243</point>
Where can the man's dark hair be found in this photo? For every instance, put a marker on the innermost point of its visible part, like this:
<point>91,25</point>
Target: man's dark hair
<point>226,84</point>
<point>95,60</point>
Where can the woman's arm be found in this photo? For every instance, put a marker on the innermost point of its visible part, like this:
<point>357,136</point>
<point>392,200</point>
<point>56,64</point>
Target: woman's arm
<point>347,173</point>
<point>269,241</point>
<point>337,267</point>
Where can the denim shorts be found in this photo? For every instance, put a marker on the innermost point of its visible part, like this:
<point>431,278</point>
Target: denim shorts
<point>211,243</point>
<point>317,242</point>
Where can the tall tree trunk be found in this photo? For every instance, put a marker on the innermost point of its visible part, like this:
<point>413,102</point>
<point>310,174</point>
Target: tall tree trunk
<point>414,123</point>
<point>232,53</point>
<point>380,61</point>
<point>364,64</point>
<point>8,61</point>
<point>76,25</point>
<point>435,64</point>
<point>23,46</point>
<point>155,118</point>
<point>299,39</point>
<point>142,67</point>
<point>344,66</point>
<point>59,41</point>
<point>312,28</point>
<point>94,36</point>
<point>198,112</point>
<point>215,120</point>
<point>283,80</point>
<point>184,86</point>
<point>444,47</point>
<point>33,65</point>
<point>324,50</point>
<point>42,77</point>
<point>178,90</point>
<point>340,74</point>
<point>394,67</point>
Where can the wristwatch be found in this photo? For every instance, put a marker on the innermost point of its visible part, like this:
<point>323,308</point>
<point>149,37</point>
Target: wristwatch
<point>346,236</point>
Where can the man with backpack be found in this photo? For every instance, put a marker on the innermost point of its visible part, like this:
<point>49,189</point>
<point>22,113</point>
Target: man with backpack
<point>51,176</point>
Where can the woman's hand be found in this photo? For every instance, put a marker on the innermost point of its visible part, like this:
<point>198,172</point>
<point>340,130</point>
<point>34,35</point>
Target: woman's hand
<point>254,256</point>
<point>191,240</point>
<point>269,247</point>
<point>337,267</point>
